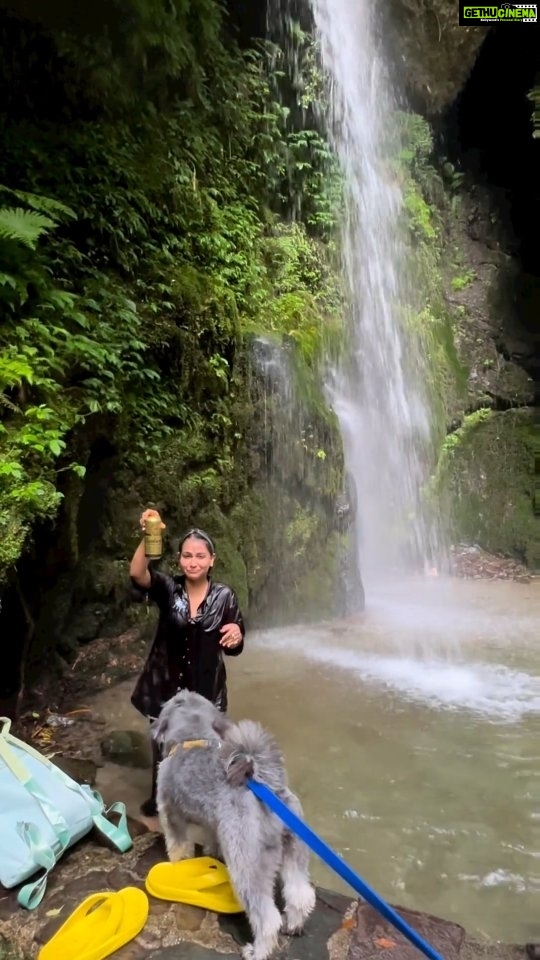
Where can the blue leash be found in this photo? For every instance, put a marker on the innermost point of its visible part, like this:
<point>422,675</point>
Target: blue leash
<point>322,850</point>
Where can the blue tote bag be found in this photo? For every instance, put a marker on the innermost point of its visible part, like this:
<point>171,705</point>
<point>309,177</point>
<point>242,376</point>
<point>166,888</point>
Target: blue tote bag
<point>42,813</point>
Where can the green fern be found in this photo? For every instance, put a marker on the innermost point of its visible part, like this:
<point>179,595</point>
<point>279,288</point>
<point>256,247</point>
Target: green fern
<point>51,208</point>
<point>4,402</point>
<point>23,226</point>
<point>46,205</point>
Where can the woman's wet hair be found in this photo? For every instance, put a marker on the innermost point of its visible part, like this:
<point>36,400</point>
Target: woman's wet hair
<point>197,534</point>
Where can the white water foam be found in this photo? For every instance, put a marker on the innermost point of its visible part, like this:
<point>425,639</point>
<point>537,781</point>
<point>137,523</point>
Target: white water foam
<point>494,691</point>
<point>503,878</point>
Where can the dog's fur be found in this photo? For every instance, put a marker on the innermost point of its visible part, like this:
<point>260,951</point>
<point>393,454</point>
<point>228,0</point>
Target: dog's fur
<point>204,787</point>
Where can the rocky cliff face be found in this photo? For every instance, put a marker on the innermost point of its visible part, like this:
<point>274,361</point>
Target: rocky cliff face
<point>491,287</point>
<point>491,338</point>
<point>432,53</point>
<point>488,459</point>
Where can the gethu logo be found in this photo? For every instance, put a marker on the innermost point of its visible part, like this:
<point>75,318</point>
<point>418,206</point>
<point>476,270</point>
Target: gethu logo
<point>498,13</point>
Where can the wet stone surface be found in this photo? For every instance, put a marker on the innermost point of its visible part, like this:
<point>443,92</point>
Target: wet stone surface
<point>339,929</point>
<point>375,937</point>
<point>127,748</point>
<point>172,929</point>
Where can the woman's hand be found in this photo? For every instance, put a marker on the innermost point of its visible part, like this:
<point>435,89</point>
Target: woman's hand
<point>231,635</point>
<point>146,516</point>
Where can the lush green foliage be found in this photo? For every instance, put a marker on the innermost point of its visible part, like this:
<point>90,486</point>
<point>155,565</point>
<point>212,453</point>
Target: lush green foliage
<point>431,202</point>
<point>146,166</point>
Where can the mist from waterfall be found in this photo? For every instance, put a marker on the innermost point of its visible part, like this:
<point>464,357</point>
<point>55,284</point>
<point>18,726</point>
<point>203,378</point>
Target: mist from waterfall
<point>377,387</point>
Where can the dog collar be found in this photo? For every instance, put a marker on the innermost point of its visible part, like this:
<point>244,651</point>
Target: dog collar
<point>193,744</point>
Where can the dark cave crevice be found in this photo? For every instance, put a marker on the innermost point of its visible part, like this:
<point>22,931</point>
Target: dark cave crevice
<point>42,591</point>
<point>100,470</point>
<point>488,135</point>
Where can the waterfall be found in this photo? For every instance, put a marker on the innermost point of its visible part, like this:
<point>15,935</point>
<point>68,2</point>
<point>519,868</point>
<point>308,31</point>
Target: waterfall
<point>377,387</point>
<point>377,390</point>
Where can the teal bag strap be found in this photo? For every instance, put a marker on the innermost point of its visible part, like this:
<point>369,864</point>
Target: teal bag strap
<point>21,774</point>
<point>118,834</point>
<point>31,895</point>
<point>26,748</point>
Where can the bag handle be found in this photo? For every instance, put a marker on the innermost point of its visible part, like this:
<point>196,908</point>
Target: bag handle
<point>31,786</point>
<point>31,895</point>
<point>118,834</point>
<point>17,768</point>
<point>32,752</point>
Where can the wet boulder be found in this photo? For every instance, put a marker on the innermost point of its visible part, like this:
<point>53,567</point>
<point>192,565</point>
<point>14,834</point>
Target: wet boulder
<point>127,748</point>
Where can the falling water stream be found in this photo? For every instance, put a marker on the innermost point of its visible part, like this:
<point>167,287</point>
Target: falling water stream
<point>377,391</point>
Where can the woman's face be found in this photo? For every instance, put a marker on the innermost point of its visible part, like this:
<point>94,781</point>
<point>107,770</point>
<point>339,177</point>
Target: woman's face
<point>195,559</point>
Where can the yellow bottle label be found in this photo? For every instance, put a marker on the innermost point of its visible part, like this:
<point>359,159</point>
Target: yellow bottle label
<point>153,540</point>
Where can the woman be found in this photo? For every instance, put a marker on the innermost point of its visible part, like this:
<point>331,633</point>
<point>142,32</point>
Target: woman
<point>199,621</point>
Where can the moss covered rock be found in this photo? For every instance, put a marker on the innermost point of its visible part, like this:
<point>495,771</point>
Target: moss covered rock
<point>487,472</point>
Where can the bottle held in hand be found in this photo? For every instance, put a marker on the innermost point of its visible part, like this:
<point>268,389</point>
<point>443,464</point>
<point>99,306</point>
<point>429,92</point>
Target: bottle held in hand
<point>153,536</point>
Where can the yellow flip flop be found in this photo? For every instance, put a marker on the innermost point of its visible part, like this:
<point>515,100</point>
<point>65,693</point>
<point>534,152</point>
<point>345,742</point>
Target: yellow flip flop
<point>101,924</point>
<point>200,882</point>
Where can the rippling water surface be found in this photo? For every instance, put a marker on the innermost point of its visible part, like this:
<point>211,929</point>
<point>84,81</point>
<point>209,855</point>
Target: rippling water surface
<point>413,738</point>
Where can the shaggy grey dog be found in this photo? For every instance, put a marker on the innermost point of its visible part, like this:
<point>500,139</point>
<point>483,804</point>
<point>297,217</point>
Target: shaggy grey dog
<point>200,784</point>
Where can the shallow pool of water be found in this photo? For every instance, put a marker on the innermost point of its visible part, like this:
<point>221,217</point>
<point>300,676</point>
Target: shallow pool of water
<point>412,736</point>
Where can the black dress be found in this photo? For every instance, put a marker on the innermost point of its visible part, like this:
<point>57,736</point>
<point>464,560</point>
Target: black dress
<point>186,654</point>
